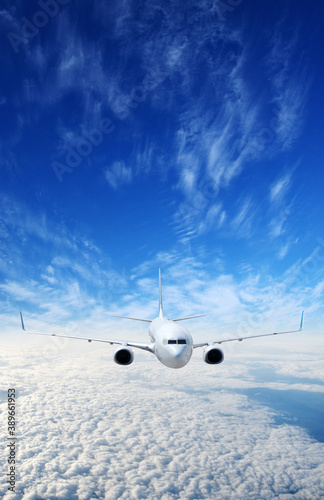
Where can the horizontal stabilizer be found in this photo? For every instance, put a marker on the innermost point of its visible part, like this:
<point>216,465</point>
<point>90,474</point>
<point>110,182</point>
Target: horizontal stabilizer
<point>190,317</point>
<point>134,319</point>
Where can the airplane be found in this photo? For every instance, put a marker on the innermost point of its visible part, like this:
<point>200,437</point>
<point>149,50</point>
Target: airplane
<point>171,343</point>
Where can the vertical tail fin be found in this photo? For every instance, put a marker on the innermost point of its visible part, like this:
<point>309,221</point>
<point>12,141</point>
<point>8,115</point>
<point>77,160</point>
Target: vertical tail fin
<point>160,300</point>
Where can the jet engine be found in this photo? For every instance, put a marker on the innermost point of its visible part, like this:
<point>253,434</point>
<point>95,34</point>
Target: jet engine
<point>212,355</point>
<point>124,356</point>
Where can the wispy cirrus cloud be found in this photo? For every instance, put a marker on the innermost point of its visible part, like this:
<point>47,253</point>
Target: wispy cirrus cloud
<point>290,83</point>
<point>280,188</point>
<point>118,174</point>
<point>243,220</point>
<point>278,225</point>
<point>221,146</point>
<point>281,210</point>
<point>53,266</point>
<point>283,251</point>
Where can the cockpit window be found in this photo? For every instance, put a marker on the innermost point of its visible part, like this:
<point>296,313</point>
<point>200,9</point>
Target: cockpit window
<point>172,341</point>
<point>182,341</point>
<point>179,341</point>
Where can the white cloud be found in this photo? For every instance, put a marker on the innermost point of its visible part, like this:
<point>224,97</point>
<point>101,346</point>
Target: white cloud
<point>279,224</point>
<point>188,178</point>
<point>91,429</point>
<point>213,219</point>
<point>277,227</point>
<point>84,300</point>
<point>280,188</point>
<point>283,251</point>
<point>118,174</point>
<point>242,214</point>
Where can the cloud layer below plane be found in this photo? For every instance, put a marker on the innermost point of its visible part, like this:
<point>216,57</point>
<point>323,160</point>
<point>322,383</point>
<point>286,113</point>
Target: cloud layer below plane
<point>90,429</point>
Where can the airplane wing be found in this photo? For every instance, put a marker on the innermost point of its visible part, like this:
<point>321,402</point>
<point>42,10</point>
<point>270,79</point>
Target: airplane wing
<point>139,345</point>
<point>251,336</point>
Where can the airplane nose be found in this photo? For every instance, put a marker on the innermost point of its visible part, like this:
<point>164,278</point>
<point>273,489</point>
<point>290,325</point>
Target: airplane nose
<point>178,351</point>
<point>179,357</point>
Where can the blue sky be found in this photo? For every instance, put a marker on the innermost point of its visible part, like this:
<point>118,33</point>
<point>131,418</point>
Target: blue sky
<point>138,135</point>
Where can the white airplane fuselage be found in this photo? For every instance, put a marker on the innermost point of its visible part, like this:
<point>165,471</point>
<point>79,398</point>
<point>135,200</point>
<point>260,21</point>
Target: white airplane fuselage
<point>172,343</point>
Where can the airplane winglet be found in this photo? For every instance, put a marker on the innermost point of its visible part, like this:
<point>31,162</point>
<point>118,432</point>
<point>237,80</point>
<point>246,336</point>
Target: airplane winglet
<point>22,322</point>
<point>301,322</point>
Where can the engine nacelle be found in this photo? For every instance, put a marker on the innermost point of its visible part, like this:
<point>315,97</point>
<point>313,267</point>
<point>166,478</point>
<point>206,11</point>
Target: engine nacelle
<point>213,356</point>
<point>124,356</point>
